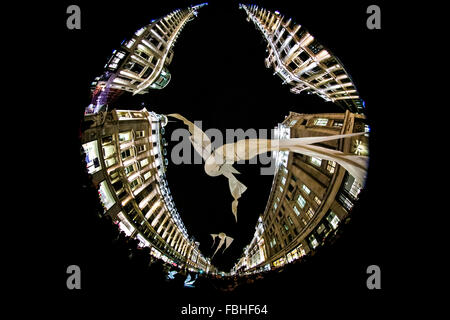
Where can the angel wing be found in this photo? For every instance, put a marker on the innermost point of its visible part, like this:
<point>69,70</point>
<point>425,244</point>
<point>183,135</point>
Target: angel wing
<point>237,188</point>
<point>202,144</point>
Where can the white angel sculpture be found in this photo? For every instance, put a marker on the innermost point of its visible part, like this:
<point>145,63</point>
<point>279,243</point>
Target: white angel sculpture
<point>220,161</point>
<point>223,239</point>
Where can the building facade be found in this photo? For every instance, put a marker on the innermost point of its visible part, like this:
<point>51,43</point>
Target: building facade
<point>126,156</point>
<point>141,62</point>
<point>254,254</point>
<point>302,62</point>
<point>310,197</point>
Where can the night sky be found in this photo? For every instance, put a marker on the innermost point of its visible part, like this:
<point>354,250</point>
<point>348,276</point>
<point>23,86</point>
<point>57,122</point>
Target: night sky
<point>219,77</point>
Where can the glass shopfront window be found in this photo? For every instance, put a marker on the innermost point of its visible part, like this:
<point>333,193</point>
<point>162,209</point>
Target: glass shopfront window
<point>293,255</point>
<point>300,250</point>
<point>301,201</point>
<point>313,241</point>
<point>352,186</point>
<point>155,253</point>
<point>316,161</point>
<point>280,262</point>
<point>125,225</point>
<point>142,241</point>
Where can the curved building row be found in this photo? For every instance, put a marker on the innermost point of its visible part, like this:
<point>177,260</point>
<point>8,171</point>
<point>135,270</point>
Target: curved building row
<point>141,61</point>
<point>126,149</point>
<point>302,62</point>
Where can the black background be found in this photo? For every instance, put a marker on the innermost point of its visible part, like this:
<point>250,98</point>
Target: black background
<point>218,76</point>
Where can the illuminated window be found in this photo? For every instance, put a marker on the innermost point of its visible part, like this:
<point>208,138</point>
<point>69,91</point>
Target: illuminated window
<point>356,189</point>
<point>275,206</point>
<point>105,195</point>
<point>144,162</point>
<point>290,220</point>
<point>92,157</point>
<point>310,213</point>
<point>316,161</point>
<point>283,180</point>
<point>125,225</point>
<point>297,212</point>
<point>345,201</point>
<point>281,189</point>
<point>306,189</point>
<point>147,175</point>
<point>331,166</point>
<point>293,122</point>
<point>273,242</point>
<point>352,186</point>
<point>138,114</point>
<point>337,124</point>
<point>125,136</point>
<point>301,201</point>
<point>129,169</point>
<point>301,250</point>
<point>140,31</point>
<point>130,43</point>
<point>320,122</point>
<point>313,241</point>
<point>123,114</point>
<point>109,162</point>
<point>304,221</point>
<point>293,255</point>
<point>108,151</point>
